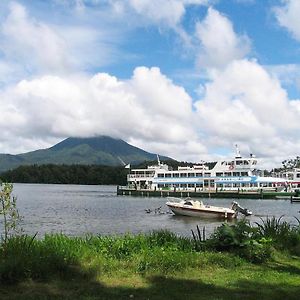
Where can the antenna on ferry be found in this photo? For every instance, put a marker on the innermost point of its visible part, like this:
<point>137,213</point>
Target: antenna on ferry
<point>158,161</point>
<point>237,151</point>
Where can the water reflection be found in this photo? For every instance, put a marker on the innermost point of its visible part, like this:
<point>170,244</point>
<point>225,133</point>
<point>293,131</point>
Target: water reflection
<point>80,210</point>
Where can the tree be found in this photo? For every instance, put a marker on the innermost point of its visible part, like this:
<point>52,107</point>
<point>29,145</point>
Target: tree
<point>9,211</point>
<point>291,163</point>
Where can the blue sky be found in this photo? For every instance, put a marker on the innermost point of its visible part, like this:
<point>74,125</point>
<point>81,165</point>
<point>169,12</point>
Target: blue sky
<point>184,78</point>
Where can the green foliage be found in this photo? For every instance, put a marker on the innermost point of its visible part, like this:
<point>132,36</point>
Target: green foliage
<point>101,150</point>
<point>9,211</point>
<point>58,255</point>
<point>291,163</point>
<point>173,164</point>
<point>27,257</point>
<point>284,235</point>
<point>67,174</point>
<point>164,260</point>
<point>158,252</point>
<point>241,238</point>
<point>199,239</point>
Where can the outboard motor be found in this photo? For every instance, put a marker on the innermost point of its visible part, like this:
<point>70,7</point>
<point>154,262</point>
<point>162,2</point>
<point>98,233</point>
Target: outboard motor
<point>238,208</point>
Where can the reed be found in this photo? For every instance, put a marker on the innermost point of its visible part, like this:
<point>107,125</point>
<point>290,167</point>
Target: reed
<point>285,236</point>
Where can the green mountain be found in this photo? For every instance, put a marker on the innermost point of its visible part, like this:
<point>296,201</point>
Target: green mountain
<point>101,150</point>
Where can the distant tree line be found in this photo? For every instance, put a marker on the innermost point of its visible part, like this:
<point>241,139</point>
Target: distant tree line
<point>66,174</point>
<point>291,163</point>
<point>174,164</point>
<point>78,174</point>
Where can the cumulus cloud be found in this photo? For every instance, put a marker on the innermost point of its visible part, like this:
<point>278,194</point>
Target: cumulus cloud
<point>32,47</point>
<point>240,100</point>
<point>148,107</point>
<point>288,17</point>
<point>244,103</point>
<point>25,39</point>
<point>219,43</point>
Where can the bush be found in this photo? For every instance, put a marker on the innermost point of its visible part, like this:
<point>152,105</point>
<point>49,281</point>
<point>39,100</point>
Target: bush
<point>241,239</point>
<point>284,235</point>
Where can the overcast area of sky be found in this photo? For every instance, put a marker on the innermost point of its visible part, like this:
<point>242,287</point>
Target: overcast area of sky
<point>184,78</point>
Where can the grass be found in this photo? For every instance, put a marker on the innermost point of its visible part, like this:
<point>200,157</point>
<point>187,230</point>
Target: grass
<point>210,280</point>
<point>159,265</point>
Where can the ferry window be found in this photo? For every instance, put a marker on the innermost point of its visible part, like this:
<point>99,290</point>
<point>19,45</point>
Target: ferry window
<point>199,174</point>
<point>149,174</point>
<point>183,175</point>
<point>191,174</point>
<point>227,173</point>
<point>207,174</point>
<point>298,175</point>
<point>219,174</point>
<point>238,162</point>
<point>236,174</point>
<point>199,184</point>
<point>160,175</point>
<point>244,173</point>
<point>167,175</point>
<point>183,185</point>
<point>176,175</point>
<point>191,185</point>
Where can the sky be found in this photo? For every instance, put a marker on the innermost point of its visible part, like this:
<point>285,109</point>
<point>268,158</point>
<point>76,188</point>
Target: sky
<point>189,79</point>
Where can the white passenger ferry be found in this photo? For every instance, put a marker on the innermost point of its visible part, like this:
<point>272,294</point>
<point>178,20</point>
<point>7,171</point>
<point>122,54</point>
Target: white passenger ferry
<point>232,174</point>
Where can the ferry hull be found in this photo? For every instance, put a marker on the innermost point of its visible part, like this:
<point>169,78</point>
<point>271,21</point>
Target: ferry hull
<point>126,191</point>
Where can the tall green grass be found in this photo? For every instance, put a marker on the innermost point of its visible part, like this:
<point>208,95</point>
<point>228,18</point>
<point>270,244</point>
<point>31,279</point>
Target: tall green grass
<point>285,236</point>
<point>160,252</point>
<point>59,255</point>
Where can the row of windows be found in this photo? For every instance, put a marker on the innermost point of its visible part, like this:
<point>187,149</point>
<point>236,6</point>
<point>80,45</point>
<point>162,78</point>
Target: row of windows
<point>218,185</point>
<point>218,174</point>
<point>177,175</point>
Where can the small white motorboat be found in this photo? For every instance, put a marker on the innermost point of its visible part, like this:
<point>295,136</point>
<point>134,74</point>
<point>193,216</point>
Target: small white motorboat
<point>188,207</point>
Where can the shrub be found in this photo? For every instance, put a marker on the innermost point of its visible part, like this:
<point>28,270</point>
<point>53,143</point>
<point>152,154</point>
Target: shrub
<point>285,236</point>
<point>241,238</point>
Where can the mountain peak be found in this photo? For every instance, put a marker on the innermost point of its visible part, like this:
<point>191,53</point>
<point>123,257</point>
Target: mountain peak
<point>93,142</point>
<point>100,150</point>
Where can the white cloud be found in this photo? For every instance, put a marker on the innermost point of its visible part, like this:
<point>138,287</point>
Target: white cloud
<point>244,104</point>
<point>147,107</point>
<point>241,101</point>
<point>241,104</point>
<point>219,43</point>
<point>288,75</point>
<point>288,16</point>
<point>33,42</point>
<point>32,47</point>
<point>169,12</point>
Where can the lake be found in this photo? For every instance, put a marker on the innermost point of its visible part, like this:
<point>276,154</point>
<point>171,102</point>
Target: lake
<point>77,210</point>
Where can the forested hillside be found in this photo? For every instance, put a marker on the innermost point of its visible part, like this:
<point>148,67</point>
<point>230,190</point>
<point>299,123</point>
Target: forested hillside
<point>66,174</point>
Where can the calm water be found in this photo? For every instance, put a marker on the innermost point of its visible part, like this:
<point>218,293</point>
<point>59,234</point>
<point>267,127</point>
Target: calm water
<point>82,209</point>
